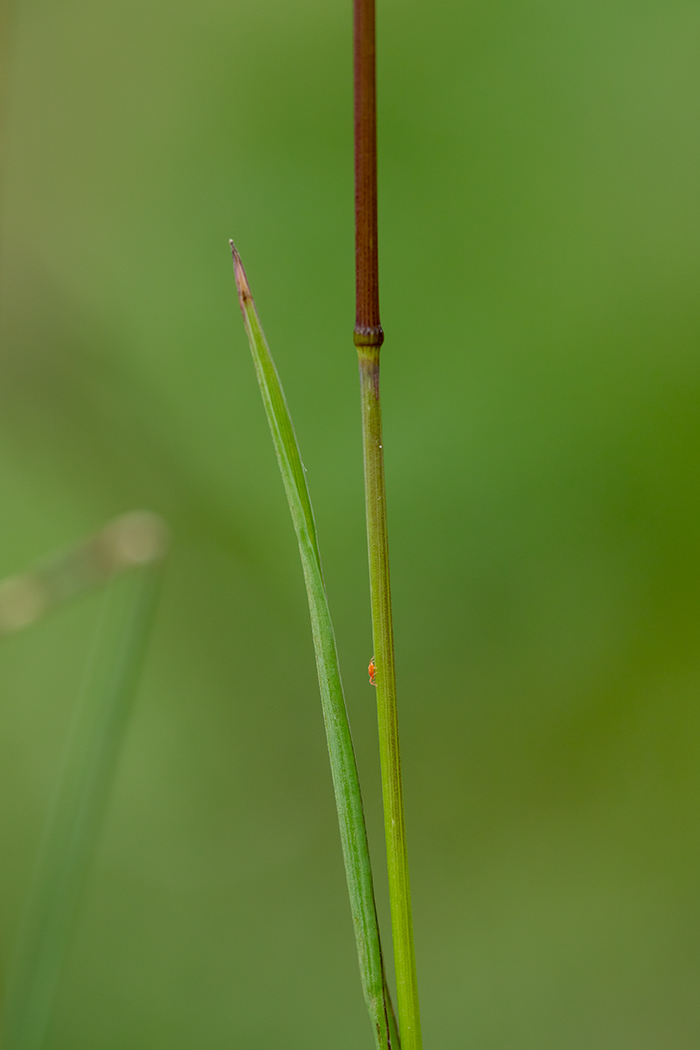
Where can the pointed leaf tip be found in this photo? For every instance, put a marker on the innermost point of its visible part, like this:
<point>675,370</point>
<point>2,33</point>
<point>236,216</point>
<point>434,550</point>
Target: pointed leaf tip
<point>244,295</point>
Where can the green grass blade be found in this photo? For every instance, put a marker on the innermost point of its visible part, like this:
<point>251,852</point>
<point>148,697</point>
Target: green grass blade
<point>87,774</point>
<point>346,785</point>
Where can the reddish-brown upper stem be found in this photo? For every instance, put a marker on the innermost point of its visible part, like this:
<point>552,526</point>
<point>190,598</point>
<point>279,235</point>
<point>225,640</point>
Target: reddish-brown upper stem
<point>368,330</point>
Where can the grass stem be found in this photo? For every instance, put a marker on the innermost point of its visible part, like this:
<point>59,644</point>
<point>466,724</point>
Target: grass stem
<point>387,713</point>
<point>368,338</point>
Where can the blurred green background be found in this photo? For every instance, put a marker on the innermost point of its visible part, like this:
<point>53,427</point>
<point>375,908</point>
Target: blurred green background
<point>540,254</point>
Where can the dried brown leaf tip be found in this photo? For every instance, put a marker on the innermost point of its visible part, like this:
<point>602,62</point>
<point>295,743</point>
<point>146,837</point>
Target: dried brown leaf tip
<point>244,295</point>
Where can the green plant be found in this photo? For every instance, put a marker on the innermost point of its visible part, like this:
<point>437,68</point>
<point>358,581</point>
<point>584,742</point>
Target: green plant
<point>368,338</point>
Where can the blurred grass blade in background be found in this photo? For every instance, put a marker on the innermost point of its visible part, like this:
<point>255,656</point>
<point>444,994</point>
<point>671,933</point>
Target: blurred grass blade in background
<point>132,540</point>
<point>137,542</point>
<point>346,783</point>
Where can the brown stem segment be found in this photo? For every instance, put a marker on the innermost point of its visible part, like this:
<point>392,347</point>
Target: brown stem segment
<point>368,329</point>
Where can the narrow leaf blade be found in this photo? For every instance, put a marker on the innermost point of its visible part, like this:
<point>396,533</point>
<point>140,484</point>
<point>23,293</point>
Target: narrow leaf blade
<point>346,784</point>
